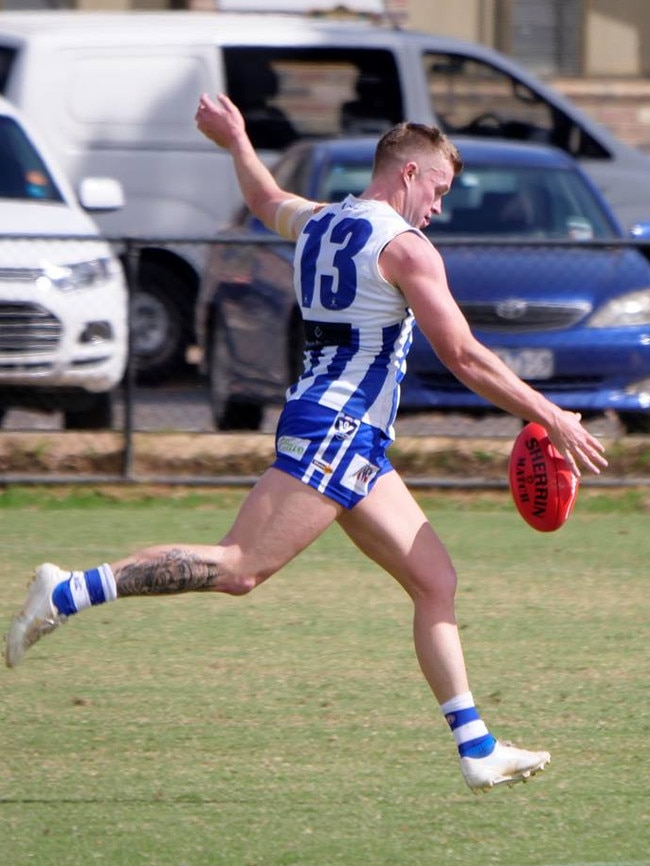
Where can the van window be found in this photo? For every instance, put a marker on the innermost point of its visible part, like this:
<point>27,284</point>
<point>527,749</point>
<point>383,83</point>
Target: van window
<point>7,57</point>
<point>474,98</point>
<point>23,174</point>
<point>291,93</point>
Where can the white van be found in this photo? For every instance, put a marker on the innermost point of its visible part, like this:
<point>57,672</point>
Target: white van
<point>63,297</point>
<point>116,95</point>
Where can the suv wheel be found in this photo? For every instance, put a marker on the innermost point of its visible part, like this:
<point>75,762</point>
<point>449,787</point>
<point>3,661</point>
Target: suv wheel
<point>97,414</point>
<point>160,322</point>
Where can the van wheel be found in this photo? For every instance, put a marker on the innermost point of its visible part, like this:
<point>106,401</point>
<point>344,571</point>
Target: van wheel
<point>228,412</point>
<point>96,414</point>
<point>160,323</point>
<point>635,422</point>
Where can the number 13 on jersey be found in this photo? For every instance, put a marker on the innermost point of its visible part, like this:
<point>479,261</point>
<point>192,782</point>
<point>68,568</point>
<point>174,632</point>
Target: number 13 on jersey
<point>328,274</point>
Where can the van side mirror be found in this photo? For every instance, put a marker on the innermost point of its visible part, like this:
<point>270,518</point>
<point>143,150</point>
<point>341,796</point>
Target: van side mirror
<point>101,193</point>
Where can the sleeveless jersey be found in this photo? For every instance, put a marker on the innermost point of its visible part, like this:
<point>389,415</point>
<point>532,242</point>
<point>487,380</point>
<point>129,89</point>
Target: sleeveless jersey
<point>358,328</point>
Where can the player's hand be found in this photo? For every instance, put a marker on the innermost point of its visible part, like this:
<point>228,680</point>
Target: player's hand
<point>576,444</point>
<point>219,120</point>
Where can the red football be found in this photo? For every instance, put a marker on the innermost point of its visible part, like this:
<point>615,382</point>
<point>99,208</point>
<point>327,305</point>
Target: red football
<point>541,482</point>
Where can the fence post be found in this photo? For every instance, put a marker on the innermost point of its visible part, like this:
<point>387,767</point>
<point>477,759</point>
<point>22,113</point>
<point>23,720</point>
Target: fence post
<point>131,265</point>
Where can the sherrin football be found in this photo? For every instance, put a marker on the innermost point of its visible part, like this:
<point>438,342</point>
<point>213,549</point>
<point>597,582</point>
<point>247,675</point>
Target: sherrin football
<point>541,482</point>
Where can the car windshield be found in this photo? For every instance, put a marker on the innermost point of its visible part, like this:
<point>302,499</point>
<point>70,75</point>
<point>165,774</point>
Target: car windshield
<point>23,175</point>
<point>489,201</point>
<point>521,201</point>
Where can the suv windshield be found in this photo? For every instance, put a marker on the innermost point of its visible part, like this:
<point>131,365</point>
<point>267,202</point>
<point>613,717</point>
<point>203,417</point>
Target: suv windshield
<point>23,174</point>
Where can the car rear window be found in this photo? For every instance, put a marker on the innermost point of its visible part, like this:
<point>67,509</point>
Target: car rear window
<point>342,180</point>
<point>23,174</point>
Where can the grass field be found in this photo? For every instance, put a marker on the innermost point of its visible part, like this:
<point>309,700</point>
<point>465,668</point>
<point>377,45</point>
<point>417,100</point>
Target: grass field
<point>293,727</point>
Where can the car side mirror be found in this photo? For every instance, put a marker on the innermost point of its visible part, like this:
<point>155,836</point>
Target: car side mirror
<point>101,193</point>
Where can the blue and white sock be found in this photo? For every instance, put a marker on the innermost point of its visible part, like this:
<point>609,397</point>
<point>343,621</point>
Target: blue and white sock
<point>470,733</point>
<point>84,589</point>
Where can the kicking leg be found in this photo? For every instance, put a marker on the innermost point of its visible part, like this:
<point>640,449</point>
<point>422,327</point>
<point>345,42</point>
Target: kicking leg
<point>279,518</point>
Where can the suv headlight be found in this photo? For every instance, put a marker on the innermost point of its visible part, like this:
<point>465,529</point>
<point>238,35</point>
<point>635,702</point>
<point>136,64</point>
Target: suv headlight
<point>69,278</point>
<point>626,310</point>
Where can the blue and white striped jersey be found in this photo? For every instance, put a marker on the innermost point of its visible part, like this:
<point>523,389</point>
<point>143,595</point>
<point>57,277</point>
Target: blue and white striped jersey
<point>358,327</point>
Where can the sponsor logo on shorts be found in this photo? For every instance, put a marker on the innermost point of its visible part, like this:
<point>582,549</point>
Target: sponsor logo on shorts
<point>322,466</point>
<point>292,446</point>
<point>359,475</point>
<point>345,426</point>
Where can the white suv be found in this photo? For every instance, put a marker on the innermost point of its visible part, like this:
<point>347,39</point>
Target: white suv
<point>63,297</point>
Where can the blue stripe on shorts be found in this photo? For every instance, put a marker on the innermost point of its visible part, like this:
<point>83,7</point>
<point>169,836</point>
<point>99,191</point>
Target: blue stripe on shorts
<point>331,451</point>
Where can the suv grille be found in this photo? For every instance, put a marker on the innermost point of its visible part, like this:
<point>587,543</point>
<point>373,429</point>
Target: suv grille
<point>20,275</point>
<point>27,329</point>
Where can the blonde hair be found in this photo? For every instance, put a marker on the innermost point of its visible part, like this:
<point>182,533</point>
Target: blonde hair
<point>402,140</point>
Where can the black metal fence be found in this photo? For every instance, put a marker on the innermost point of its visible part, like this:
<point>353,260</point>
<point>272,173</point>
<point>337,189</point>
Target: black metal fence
<point>66,311</point>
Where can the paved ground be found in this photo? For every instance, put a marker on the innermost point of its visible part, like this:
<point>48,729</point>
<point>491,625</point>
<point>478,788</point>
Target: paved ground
<point>185,409</point>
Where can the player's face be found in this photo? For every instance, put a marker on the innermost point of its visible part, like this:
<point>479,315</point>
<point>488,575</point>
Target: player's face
<point>428,180</point>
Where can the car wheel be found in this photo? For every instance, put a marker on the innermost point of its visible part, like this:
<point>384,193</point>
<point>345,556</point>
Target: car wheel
<point>635,422</point>
<point>295,345</point>
<point>228,412</point>
<point>160,323</point>
<point>96,414</point>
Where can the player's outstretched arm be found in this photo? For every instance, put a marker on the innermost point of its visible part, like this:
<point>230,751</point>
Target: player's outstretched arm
<point>417,268</point>
<point>222,122</point>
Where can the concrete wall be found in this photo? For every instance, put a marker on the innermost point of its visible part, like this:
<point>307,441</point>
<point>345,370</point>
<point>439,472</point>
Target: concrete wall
<point>465,19</point>
<point>617,38</point>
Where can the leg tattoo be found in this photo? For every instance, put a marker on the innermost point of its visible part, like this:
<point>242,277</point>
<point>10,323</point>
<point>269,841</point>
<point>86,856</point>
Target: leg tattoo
<point>170,572</point>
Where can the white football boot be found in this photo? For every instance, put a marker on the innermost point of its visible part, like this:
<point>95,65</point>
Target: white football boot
<point>505,765</point>
<point>38,616</point>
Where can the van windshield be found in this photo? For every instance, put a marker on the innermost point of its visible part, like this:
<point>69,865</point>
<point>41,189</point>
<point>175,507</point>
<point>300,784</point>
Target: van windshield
<point>23,174</point>
<point>471,97</point>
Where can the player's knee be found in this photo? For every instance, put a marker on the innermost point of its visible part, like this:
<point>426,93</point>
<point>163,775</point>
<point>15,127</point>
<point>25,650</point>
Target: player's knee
<point>242,580</point>
<point>239,584</point>
<point>437,586</point>
<point>445,583</point>
<point>240,574</point>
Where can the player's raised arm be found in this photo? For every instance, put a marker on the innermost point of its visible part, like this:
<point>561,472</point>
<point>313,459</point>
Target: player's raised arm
<point>221,121</point>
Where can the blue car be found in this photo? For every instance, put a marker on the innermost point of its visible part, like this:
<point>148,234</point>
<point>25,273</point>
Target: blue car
<point>536,259</point>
